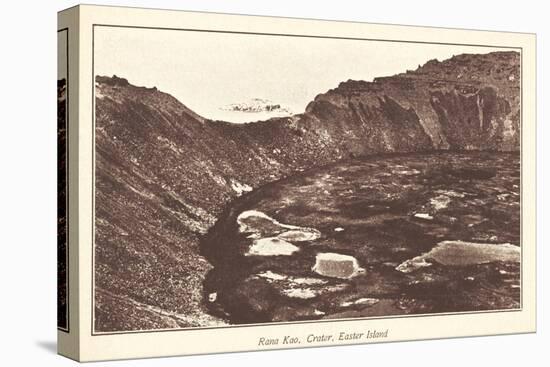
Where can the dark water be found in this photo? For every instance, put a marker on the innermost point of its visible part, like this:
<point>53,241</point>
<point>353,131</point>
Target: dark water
<point>387,235</point>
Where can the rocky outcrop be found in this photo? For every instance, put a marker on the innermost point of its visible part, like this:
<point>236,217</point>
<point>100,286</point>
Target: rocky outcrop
<point>164,173</point>
<point>469,102</point>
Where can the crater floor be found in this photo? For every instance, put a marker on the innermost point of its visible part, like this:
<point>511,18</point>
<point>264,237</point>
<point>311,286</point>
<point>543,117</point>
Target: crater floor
<point>386,235</point>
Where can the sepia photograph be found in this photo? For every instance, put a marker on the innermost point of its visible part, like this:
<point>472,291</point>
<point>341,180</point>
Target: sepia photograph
<point>246,178</point>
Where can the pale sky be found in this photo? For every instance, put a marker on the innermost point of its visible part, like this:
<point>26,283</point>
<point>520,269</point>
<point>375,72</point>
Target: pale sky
<point>206,71</point>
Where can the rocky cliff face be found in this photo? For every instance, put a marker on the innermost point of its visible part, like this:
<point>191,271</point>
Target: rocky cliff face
<point>164,174</point>
<point>469,102</point>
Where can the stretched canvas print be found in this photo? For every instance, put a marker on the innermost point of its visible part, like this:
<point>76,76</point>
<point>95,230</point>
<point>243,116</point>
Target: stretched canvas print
<point>231,183</point>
